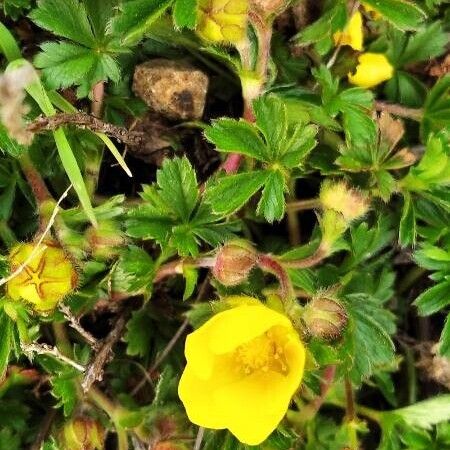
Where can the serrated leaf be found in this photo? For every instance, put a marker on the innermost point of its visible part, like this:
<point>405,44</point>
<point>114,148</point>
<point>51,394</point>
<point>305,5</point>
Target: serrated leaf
<point>65,18</point>
<point>178,186</point>
<point>426,413</point>
<point>230,193</point>
<point>233,136</point>
<point>368,336</point>
<point>64,388</point>
<point>136,18</point>
<point>185,13</point>
<point>404,14</point>
<point>272,203</point>
<point>271,119</point>
<point>139,333</point>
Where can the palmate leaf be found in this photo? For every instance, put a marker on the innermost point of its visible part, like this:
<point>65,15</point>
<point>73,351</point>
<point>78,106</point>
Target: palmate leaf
<point>65,64</point>
<point>173,214</point>
<point>86,60</point>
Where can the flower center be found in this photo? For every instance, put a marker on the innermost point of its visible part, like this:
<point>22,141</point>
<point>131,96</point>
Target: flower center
<point>262,353</point>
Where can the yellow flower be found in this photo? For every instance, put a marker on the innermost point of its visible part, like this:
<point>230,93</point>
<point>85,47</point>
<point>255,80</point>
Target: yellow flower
<point>222,20</point>
<point>373,69</point>
<point>45,280</point>
<point>243,366</point>
<point>352,34</point>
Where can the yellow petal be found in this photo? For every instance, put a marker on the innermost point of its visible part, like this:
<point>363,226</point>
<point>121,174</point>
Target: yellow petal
<point>246,323</point>
<point>352,34</point>
<point>373,69</point>
<point>195,393</point>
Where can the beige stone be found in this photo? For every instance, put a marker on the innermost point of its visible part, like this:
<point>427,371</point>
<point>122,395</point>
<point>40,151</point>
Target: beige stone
<point>173,89</point>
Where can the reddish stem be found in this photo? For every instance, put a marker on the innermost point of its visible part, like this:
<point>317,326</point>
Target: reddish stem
<point>269,264</point>
<point>310,261</point>
<point>176,267</point>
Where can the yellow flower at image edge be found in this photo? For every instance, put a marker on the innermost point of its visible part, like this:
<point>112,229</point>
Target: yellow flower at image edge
<point>222,20</point>
<point>373,69</point>
<point>243,367</point>
<point>352,34</point>
<point>45,280</point>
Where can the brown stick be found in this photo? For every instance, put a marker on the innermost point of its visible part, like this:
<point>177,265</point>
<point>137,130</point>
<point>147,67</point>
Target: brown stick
<point>95,370</point>
<point>399,110</point>
<point>82,120</point>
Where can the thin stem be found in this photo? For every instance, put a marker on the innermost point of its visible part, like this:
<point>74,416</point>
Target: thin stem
<point>98,95</point>
<point>399,110</point>
<point>302,205</point>
<point>410,278</point>
<point>176,267</point>
<point>270,264</point>
<point>350,400</point>
<point>34,179</point>
<point>310,261</point>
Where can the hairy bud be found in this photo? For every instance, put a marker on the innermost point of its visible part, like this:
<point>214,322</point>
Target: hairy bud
<point>339,197</point>
<point>234,263</point>
<point>222,20</point>
<point>105,241</point>
<point>83,433</point>
<point>324,317</point>
<point>44,275</point>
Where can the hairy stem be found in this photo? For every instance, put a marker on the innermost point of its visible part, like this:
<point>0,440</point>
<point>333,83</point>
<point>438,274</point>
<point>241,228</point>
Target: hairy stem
<point>302,205</point>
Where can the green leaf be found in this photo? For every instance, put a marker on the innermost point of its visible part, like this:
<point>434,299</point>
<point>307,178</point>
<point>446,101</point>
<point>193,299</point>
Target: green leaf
<point>139,333</point>
<point>271,119</point>
<point>272,203</point>
<point>185,13</point>
<point>230,193</point>
<point>406,89</point>
<point>322,30</point>
<point>232,136</point>
<point>404,14</point>
<point>6,330</point>
<point>8,44</point>
<point>368,341</point>
<point>433,299</point>
<point>429,42</point>
<point>407,233</point>
<point>65,18</point>
<point>178,186</point>
<point>68,160</point>
<point>136,18</point>
<point>298,147</point>
<point>191,276</point>
<point>64,388</point>
<point>437,108</point>
<point>426,413</point>
<point>133,272</point>
<point>444,347</point>
<point>99,13</point>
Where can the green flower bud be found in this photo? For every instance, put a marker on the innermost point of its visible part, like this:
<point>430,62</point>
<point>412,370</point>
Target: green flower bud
<point>83,433</point>
<point>105,241</point>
